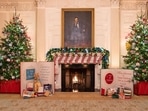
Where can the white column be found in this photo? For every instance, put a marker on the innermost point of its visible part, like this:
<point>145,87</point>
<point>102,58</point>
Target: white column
<point>115,35</point>
<point>40,30</point>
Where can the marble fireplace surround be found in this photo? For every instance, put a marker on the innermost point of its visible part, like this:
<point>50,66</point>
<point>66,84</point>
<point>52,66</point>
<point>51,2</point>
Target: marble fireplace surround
<point>83,59</point>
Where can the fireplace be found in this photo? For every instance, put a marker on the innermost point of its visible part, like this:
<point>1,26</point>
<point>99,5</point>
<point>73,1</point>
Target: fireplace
<point>78,78</point>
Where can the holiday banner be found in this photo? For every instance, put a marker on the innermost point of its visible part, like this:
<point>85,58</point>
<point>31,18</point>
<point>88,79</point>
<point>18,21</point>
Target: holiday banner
<point>116,78</point>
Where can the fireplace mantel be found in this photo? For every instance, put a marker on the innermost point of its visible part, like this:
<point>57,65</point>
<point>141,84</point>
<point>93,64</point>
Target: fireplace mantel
<point>94,55</point>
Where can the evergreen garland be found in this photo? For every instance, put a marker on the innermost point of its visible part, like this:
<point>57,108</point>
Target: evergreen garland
<point>105,53</point>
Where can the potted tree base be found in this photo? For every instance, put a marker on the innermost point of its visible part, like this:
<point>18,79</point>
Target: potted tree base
<point>11,86</point>
<point>141,88</point>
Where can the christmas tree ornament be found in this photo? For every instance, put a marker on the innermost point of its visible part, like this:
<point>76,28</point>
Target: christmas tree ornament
<point>128,46</point>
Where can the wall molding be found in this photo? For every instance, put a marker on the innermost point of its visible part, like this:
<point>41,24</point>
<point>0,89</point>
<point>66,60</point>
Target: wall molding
<point>20,6</point>
<point>133,5</point>
<point>115,3</point>
<point>40,3</point>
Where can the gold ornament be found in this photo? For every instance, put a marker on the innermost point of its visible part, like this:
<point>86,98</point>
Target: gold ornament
<point>128,46</point>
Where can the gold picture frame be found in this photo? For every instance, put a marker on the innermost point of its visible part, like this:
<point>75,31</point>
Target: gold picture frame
<point>78,27</point>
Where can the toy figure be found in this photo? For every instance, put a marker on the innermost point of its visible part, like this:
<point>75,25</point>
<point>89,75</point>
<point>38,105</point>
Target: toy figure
<point>36,82</point>
<point>121,94</point>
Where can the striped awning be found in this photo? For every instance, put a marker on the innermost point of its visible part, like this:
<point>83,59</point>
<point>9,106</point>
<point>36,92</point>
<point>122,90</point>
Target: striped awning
<point>78,58</point>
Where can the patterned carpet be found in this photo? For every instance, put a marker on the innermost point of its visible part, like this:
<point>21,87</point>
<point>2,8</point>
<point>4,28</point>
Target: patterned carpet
<point>64,101</point>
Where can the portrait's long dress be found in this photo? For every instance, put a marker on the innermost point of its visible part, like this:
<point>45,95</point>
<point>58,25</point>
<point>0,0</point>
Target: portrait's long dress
<point>75,33</point>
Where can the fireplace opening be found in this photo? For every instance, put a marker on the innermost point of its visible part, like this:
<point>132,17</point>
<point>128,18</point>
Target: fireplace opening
<point>78,78</point>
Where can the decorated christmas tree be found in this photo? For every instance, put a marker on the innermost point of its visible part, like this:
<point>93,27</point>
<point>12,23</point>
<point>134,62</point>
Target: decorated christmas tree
<point>137,49</point>
<point>15,47</point>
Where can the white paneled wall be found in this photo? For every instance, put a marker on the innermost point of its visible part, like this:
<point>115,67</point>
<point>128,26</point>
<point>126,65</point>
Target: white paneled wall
<point>53,28</point>
<point>102,27</point>
<point>4,16</point>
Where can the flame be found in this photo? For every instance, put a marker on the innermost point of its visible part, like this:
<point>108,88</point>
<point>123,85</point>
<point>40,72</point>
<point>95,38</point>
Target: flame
<point>75,79</point>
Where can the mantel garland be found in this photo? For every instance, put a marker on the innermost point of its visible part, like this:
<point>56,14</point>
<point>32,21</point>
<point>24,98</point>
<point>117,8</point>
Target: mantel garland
<point>52,53</point>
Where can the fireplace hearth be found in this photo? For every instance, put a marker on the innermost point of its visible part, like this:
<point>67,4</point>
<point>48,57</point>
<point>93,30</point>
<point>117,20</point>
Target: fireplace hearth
<point>78,78</point>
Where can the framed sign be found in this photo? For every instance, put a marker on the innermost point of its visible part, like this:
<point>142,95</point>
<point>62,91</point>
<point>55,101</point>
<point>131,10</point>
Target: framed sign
<point>77,27</point>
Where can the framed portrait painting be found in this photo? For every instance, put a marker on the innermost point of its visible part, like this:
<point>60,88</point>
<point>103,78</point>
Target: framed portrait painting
<point>77,27</point>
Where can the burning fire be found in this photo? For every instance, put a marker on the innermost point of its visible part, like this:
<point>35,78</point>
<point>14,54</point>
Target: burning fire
<point>75,79</point>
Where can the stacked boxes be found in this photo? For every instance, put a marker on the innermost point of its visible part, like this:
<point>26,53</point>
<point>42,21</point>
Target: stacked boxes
<point>120,92</point>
